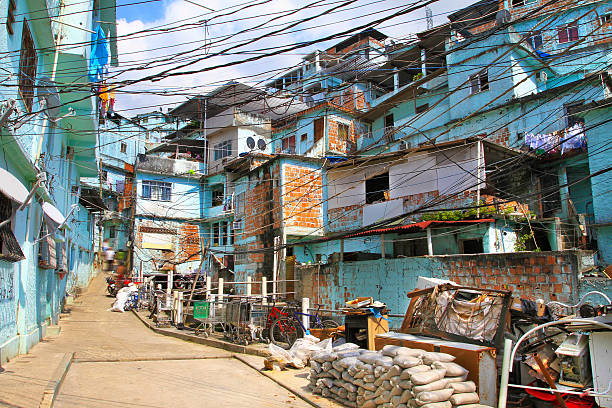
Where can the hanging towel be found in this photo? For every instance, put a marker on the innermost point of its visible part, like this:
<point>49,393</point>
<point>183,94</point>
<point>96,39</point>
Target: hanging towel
<point>99,56</point>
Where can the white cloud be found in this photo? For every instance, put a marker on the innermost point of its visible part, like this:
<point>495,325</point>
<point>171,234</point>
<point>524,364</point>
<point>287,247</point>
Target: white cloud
<point>139,49</point>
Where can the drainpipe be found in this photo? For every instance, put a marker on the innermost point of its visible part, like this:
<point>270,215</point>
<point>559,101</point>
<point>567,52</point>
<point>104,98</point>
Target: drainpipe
<point>478,154</point>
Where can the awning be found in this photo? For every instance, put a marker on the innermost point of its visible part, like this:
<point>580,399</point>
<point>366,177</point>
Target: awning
<point>11,187</point>
<point>419,226</point>
<point>53,213</point>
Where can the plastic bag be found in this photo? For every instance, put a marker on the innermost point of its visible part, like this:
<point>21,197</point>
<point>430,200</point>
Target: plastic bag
<point>121,299</point>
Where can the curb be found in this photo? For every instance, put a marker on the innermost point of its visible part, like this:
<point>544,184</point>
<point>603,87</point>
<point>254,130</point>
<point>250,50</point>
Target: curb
<point>299,393</point>
<point>234,348</point>
<point>52,388</point>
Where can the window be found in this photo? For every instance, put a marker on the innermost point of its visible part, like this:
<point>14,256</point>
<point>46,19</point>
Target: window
<point>223,149</point>
<point>410,247</point>
<point>304,138</point>
<point>318,129</point>
<point>471,246</point>
<point>10,19</point>
<point>289,144</point>
<point>230,237</point>
<point>535,40</point>
<point>520,3</point>
<point>47,258</point>
<point>421,108</point>
<point>112,232</point>
<point>377,188</point>
<point>27,68</point>
<point>216,234</point>
<point>123,147</point>
<point>389,121</point>
<point>9,247</point>
<point>343,131</point>
<point>568,33</point>
<point>156,190</point>
<point>217,194</point>
<point>604,19</point>
<point>571,113</point>
<point>479,82</point>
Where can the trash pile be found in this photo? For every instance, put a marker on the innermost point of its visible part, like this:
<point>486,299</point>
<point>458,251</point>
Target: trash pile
<point>393,377</point>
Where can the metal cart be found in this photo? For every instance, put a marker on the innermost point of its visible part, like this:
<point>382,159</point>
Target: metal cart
<point>210,314</point>
<point>164,309</point>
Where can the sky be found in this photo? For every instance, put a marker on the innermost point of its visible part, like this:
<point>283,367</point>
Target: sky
<point>190,37</point>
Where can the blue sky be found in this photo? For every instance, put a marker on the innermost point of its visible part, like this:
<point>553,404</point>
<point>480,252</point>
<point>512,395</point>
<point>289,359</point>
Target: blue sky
<point>146,12</point>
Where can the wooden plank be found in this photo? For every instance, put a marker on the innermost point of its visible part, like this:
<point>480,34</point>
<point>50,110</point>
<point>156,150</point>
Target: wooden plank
<point>549,379</point>
<point>408,316</point>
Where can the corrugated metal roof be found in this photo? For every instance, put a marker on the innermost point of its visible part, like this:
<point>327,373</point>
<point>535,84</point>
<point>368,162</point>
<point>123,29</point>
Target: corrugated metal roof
<point>418,226</point>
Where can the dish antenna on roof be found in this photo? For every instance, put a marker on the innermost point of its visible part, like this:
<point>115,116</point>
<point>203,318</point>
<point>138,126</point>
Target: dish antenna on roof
<point>47,92</point>
<point>250,143</point>
<point>261,144</point>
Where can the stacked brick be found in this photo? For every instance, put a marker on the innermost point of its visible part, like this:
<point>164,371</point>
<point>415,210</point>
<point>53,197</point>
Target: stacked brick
<point>303,197</point>
<point>394,377</point>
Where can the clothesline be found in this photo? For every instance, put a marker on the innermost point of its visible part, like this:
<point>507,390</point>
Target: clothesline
<point>559,141</point>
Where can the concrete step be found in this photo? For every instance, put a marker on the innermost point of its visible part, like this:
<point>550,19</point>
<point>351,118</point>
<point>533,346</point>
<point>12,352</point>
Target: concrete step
<point>54,330</point>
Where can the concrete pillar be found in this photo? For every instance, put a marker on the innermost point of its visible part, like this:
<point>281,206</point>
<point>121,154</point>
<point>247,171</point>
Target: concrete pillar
<point>423,62</point>
<point>563,191</point>
<point>208,287</point>
<point>179,308</point>
<point>382,246</point>
<point>220,289</point>
<point>429,243</point>
<point>305,307</point>
<point>341,250</point>
<point>248,286</point>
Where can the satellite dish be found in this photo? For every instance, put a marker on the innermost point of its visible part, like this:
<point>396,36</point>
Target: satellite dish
<point>250,142</point>
<point>48,92</point>
<point>261,144</point>
<point>502,17</point>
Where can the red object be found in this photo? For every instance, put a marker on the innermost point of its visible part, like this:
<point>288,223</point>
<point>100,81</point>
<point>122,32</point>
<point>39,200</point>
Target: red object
<point>419,226</point>
<point>571,402</point>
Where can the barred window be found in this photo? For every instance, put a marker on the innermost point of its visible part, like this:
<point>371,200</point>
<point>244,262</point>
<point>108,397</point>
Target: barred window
<point>156,190</point>
<point>27,68</point>
<point>9,247</point>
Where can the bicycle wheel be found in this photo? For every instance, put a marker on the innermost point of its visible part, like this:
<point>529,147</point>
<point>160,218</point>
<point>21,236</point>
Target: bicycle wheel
<point>329,324</point>
<point>284,332</point>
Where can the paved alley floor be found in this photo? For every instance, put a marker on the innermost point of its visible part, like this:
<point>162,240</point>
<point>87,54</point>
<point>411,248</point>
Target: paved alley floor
<point>119,362</point>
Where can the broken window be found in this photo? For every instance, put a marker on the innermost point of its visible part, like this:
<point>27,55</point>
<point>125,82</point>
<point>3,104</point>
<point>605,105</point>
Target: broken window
<point>471,246</point>
<point>123,148</point>
<point>289,144</point>
<point>9,247</point>
<point>479,82</point>
<point>156,190</point>
<point>28,62</point>
<point>568,33</point>
<point>217,194</point>
<point>377,188</point>
<point>605,19</point>
<point>318,129</point>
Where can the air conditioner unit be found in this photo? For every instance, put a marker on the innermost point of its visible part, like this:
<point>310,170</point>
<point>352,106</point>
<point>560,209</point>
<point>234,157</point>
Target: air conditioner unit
<point>237,225</point>
<point>543,76</point>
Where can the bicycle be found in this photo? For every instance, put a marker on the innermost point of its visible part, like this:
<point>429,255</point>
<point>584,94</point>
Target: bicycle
<point>284,331</point>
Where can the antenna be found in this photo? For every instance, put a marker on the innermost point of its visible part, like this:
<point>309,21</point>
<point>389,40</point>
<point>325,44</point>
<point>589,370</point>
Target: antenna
<point>429,18</point>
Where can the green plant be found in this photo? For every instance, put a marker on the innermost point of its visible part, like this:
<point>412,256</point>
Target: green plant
<point>416,77</point>
<point>521,242</point>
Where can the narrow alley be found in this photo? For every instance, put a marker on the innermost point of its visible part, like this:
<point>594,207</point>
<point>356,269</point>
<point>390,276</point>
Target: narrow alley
<point>119,362</point>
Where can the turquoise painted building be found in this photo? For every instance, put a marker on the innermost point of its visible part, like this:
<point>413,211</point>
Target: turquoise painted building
<point>48,134</point>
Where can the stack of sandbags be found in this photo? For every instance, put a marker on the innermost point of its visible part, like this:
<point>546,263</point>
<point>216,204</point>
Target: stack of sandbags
<point>394,377</point>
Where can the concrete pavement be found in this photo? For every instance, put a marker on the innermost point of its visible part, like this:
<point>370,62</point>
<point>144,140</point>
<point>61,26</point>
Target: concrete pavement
<point>119,362</point>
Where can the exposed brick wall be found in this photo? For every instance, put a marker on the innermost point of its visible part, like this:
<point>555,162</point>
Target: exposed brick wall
<point>189,242</point>
<point>345,218</point>
<point>339,144</point>
<point>532,275</point>
<point>501,137</point>
<point>303,197</point>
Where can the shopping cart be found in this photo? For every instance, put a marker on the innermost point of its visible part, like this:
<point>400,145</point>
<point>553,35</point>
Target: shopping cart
<point>237,320</point>
<point>164,309</point>
<point>210,314</point>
